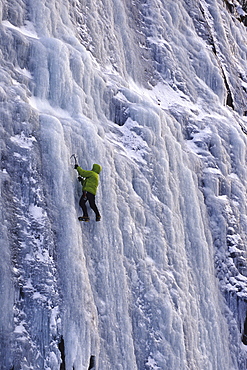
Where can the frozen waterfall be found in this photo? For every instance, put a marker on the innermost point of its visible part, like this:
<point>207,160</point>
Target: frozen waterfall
<point>155,92</point>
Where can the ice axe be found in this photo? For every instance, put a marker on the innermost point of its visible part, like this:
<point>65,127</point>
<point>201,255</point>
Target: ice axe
<point>74,156</point>
<point>76,164</point>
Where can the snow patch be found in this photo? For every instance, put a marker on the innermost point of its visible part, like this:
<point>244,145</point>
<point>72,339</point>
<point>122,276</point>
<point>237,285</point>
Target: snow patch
<point>23,141</point>
<point>44,106</point>
<point>36,212</point>
<point>28,30</point>
<point>151,363</point>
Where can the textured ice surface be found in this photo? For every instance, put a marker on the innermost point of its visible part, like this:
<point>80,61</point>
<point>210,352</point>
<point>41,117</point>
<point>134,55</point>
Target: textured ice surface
<point>155,92</point>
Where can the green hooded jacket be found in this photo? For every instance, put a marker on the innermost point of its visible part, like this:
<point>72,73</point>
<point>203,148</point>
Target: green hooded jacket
<point>91,181</point>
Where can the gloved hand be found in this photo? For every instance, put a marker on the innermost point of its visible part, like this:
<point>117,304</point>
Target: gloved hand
<point>80,178</point>
<point>76,165</point>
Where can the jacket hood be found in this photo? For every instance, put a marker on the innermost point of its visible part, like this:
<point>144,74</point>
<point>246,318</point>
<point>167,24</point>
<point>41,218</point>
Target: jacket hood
<point>96,168</point>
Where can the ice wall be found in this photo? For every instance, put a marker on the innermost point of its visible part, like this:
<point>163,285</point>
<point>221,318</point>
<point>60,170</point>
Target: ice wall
<point>154,91</point>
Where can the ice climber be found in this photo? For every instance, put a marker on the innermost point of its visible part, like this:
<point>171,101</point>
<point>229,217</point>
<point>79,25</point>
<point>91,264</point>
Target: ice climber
<point>90,182</point>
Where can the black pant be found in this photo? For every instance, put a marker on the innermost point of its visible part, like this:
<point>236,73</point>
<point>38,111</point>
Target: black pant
<point>91,198</point>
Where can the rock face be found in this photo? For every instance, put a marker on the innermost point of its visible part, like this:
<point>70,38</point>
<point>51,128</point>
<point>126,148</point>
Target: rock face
<point>155,92</point>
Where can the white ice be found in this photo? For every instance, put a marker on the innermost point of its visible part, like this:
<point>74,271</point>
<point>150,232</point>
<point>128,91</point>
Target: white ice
<point>144,89</point>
